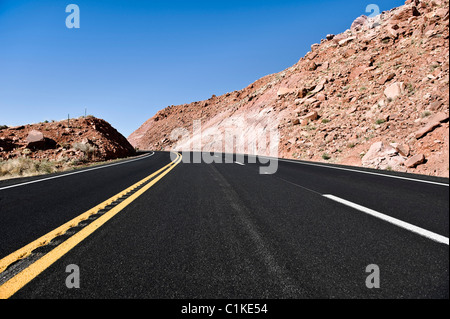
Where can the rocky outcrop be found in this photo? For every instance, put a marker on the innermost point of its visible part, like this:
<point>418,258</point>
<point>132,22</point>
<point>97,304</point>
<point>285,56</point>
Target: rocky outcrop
<point>84,139</point>
<point>385,79</point>
<point>385,157</point>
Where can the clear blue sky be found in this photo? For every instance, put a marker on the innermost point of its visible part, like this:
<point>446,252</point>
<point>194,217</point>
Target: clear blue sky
<point>131,58</point>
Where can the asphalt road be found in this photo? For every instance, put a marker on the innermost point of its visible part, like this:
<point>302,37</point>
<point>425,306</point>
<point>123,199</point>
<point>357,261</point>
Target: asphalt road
<point>225,231</point>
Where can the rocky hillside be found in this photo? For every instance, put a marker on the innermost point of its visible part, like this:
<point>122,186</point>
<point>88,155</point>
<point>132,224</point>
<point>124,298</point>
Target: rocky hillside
<point>376,95</point>
<point>78,140</point>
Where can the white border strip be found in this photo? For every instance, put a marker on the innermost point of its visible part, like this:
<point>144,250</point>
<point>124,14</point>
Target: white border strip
<point>394,221</point>
<point>357,171</point>
<point>77,172</point>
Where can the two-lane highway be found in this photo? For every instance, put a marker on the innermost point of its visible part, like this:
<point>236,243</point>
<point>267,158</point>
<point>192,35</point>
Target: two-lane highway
<point>225,231</point>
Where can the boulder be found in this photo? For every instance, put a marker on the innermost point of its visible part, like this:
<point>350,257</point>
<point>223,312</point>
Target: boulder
<point>386,78</point>
<point>381,156</point>
<point>284,91</point>
<point>315,46</point>
<point>346,41</point>
<point>394,90</point>
<point>359,23</point>
<point>404,14</point>
<point>415,160</point>
<point>312,66</point>
<point>35,136</point>
<point>302,92</point>
<point>37,141</point>
<point>435,105</point>
<point>402,149</point>
<point>426,129</point>
<point>438,117</point>
<point>311,116</point>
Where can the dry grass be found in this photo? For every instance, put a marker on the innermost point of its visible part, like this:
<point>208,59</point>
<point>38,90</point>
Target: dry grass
<point>26,167</point>
<point>88,150</point>
<point>23,167</point>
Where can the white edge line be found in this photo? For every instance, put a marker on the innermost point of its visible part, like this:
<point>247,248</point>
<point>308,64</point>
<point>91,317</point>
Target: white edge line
<point>357,171</point>
<point>239,163</point>
<point>73,173</point>
<point>420,231</point>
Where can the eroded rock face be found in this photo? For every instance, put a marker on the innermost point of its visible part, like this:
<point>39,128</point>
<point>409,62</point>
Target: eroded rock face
<point>386,79</point>
<point>91,139</point>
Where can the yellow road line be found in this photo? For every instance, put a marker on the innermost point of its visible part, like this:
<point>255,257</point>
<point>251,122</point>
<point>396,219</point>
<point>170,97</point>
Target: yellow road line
<point>25,251</point>
<point>20,280</point>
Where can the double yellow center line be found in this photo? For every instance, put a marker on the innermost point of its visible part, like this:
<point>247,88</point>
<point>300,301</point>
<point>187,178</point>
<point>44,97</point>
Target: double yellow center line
<point>17,282</point>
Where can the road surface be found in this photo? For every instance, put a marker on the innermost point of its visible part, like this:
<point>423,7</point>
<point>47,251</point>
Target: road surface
<point>223,230</point>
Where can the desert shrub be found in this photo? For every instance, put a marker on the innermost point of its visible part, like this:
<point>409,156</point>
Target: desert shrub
<point>425,114</point>
<point>86,148</point>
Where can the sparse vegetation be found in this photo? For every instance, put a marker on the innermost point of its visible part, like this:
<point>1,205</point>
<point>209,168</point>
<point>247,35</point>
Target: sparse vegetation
<point>24,166</point>
<point>88,150</point>
<point>410,88</point>
<point>425,114</point>
<point>380,121</point>
<point>325,121</point>
<point>326,157</point>
<point>434,67</point>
